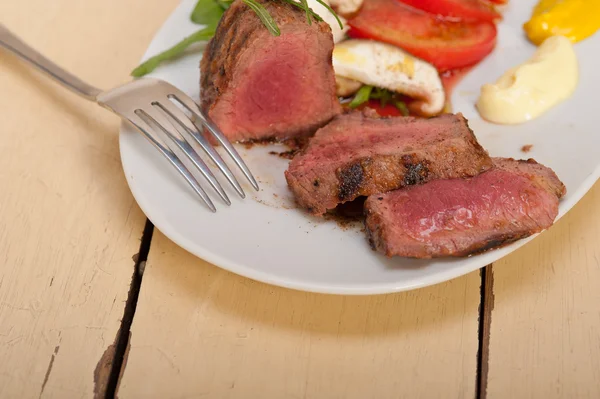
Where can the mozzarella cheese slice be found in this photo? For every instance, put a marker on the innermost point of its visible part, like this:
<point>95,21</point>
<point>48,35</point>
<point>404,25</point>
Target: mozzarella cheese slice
<point>322,11</point>
<point>389,67</point>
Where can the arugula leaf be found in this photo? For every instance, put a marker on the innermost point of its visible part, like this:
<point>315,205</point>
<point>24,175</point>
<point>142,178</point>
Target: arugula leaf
<point>402,107</point>
<point>362,96</point>
<point>383,95</point>
<point>264,16</point>
<point>207,12</point>
<point>151,64</point>
<point>224,4</point>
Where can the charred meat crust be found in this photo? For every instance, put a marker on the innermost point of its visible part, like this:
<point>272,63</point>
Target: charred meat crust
<point>350,178</point>
<point>378,243</point>
<point>209,85</point>
<point>417,170</point>
<point>494,242</point>
<point>372,223</point>
<point>393,157</point>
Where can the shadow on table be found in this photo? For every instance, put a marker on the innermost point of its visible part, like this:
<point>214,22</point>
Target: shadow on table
<point>257,305</point>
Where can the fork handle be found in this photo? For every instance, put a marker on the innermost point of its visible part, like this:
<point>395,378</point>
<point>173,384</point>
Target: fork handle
<point>11,42</point>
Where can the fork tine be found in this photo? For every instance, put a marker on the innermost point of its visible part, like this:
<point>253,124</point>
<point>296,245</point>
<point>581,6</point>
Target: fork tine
<point>138,123</point>
<point>184,121</point>
<point>188,103</point>
<point>156,118</point>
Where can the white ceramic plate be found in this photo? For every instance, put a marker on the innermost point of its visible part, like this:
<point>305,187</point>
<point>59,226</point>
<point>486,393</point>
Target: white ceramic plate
<point>265,238</point>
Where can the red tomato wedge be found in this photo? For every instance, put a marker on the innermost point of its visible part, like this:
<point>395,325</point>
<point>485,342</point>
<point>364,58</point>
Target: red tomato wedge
<point>445,44</point>
<point>452,78</point>
<point>498,1</point>
<point>468,10</point>
<point>387,110</point>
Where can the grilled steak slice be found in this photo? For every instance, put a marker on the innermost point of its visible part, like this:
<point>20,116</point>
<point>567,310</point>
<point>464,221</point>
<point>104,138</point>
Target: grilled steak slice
<point>257,86</point>
<point>463,216</point>
<point>357,155</point>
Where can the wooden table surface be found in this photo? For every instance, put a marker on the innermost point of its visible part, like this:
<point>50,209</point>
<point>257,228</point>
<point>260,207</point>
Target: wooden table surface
<point>78,319</point>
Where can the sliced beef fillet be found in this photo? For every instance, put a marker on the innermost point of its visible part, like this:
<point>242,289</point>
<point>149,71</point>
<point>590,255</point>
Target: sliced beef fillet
<point>357,155</point>
<point>258,86</point>
<point>463,216</point>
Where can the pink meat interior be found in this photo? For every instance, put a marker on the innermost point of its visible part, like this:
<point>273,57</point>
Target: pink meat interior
<point>491,201</point>
<point>281,89</point>
<point>344,140</point>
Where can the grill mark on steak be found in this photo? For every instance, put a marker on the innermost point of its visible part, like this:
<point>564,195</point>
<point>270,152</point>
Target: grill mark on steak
<point>356,155</point>
<point>350,178</point>
<point>416,170</point>
<point>233,32</point>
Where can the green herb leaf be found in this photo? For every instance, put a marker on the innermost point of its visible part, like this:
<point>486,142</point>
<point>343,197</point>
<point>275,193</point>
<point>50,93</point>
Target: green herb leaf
<point>402,107</point>
<point>264,16</point>
<point>332,12</point>
<point>385,96</point>
<point>300,6</point>
<point>150,65</point>
<point>224,4</point>
<point>307,10</point>
<point>207,12</point>
<point>316,16</point>
<point>362,96</point>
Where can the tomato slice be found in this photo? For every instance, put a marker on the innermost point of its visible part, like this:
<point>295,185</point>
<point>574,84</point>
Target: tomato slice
<point>382,110</point>
<point>386,110</point>
<point>445,44</point>
<point>452,78</point>
<point>498,1</point>
<point>468,10</point>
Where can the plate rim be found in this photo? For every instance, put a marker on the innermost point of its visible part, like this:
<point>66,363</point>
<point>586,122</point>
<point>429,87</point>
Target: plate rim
<point>170,232</point>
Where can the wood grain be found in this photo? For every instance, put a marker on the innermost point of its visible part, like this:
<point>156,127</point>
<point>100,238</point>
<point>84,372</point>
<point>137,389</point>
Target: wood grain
<point>202,332</point>
<point>68,223</point>
<point>545,327</point>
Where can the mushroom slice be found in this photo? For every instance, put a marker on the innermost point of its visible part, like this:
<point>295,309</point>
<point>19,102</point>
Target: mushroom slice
<point>389,67</point>
<point>345,87</point>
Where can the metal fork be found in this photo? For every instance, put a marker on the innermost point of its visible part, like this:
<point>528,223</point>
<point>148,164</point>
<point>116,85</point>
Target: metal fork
<point>155,108</point>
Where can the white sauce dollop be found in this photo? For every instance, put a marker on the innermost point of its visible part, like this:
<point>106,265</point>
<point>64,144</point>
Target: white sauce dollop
<point>527,91</point>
